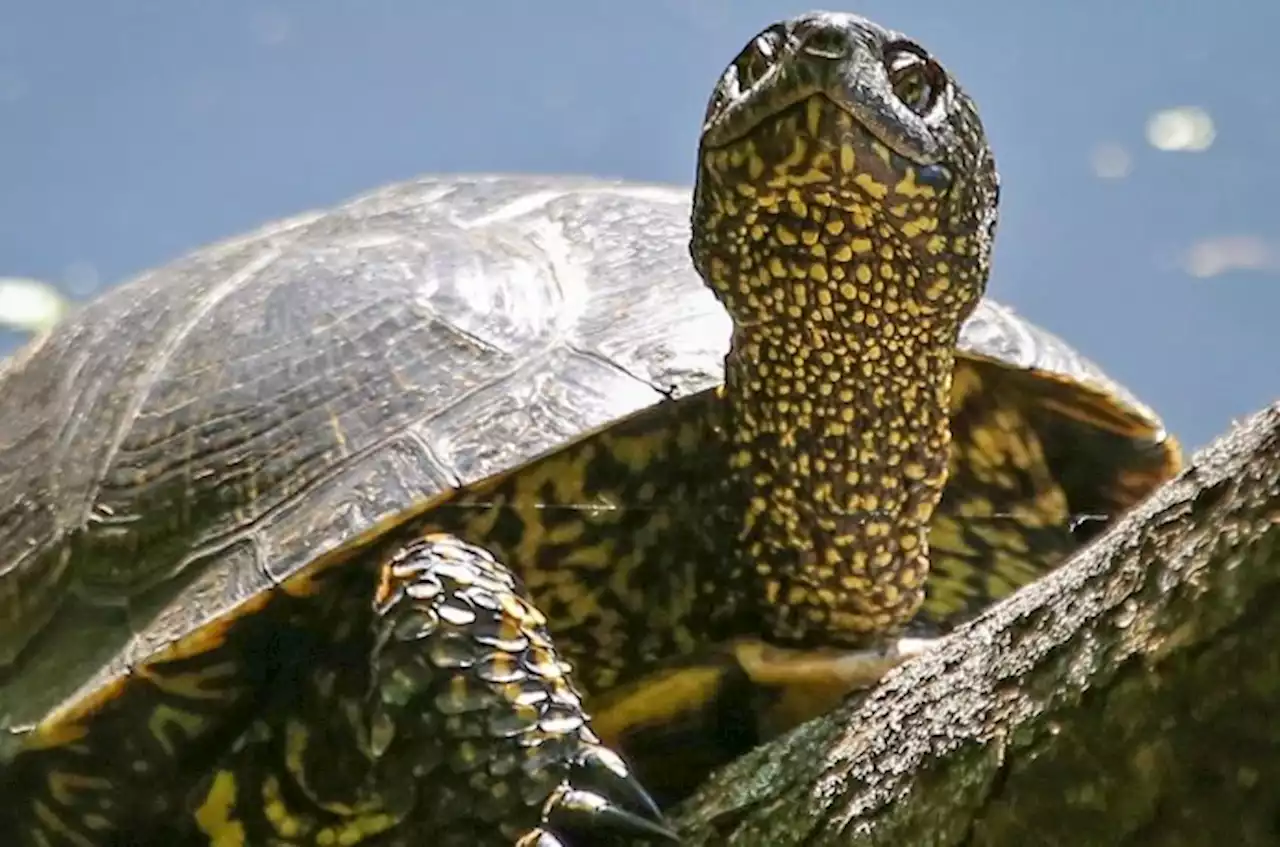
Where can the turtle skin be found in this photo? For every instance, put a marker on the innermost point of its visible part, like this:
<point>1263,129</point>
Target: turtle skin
<point>326,535</point>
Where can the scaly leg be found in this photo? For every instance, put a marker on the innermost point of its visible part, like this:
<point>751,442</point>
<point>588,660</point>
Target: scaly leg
<point>469,731</point>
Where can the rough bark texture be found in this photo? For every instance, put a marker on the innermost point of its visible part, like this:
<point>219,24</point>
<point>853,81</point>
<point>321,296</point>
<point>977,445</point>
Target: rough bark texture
<point>1132,697</point>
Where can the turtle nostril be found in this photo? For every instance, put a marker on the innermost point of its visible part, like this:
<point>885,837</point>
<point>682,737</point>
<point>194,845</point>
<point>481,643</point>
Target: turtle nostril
<point>825,42</point>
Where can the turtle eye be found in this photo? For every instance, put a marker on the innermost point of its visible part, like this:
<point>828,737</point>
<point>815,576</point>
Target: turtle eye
<point>750,66</point>
<point>757,58</point>
<point>917,80</point>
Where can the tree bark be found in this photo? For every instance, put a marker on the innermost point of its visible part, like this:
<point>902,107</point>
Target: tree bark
<point>1130,697</point>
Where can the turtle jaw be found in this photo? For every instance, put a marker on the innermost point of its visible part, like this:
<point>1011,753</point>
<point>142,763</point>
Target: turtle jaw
<point>848,268</point>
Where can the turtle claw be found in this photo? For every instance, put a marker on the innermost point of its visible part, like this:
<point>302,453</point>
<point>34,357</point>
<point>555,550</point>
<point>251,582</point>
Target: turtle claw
<point>601,798</point>
<point>579,810</point>
<point>601,771</point>
<point>539,838</point>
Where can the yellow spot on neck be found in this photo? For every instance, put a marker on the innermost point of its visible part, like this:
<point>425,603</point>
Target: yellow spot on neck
<point>908,187</point>
<point>848,159</point>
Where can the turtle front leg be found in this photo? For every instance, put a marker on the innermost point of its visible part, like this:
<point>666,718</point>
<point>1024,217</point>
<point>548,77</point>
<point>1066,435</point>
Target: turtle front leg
<point>443,715</point>
<point>474,701</point>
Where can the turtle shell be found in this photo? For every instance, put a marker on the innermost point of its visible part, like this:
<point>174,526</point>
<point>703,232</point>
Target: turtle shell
<point>181,444</point>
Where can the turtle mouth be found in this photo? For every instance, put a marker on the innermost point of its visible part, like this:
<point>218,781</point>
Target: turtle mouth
<point>846,61</point>
<point>817,145</point>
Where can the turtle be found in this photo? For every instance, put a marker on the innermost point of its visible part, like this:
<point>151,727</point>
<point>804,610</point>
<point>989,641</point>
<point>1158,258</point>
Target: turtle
<point>432,515</point>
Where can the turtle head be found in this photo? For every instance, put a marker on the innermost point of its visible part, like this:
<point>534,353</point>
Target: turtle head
<point>844,214</point>
<point>841,164</point>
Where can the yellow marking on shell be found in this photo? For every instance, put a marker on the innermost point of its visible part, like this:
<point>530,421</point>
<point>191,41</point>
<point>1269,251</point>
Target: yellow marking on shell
<point>216,814</point>
<point>210,683</point>
<point>297,740</point>
<point>66,786</point>
<point>276,810</point>
<point>166,721</point>
<point>350,833</point>
<point>48,822</point>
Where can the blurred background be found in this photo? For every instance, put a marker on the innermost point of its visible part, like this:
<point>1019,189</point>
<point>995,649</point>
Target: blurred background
<point>1137,141</point>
